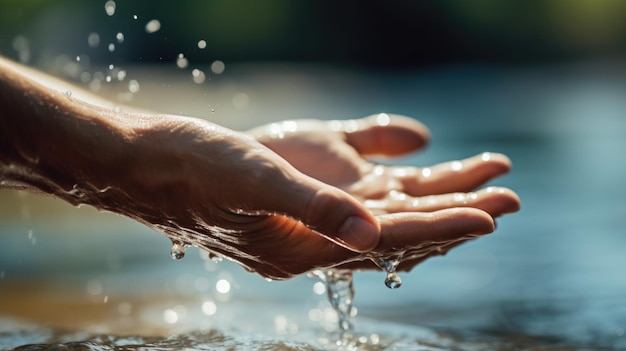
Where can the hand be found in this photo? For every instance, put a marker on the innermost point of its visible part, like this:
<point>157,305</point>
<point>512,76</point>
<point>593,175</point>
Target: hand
<point>204,185</point>
<point>417,205</point>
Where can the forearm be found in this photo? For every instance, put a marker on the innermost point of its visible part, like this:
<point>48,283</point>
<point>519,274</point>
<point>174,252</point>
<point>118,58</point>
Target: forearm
<point>55,141</point>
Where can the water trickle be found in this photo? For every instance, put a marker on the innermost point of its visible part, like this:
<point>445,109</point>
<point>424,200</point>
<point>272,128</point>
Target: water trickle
<point>178,251</point>
<point>340,290</point>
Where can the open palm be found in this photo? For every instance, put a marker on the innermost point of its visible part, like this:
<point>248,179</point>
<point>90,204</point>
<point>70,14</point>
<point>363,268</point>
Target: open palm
<point>335,152</point>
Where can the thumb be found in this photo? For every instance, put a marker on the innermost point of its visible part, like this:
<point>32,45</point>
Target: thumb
<point>325,209</point>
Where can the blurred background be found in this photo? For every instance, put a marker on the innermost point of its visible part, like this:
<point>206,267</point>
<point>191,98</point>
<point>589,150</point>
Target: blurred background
<point>389,34</point>
<point>541,81</point>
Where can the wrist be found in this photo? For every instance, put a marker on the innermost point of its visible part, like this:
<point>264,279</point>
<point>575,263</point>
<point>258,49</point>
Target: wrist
<point>50,140</point>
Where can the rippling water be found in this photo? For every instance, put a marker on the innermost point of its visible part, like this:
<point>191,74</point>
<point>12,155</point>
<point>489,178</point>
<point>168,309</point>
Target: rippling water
<point>550,278</point>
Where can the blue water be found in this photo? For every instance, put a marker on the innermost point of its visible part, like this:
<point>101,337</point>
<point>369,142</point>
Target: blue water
<point>550,276</point>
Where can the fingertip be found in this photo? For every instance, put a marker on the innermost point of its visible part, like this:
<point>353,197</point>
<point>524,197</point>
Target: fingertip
<point>468,219</point>
<point>388,134</point>
<point>501,161</point>
<point>508,200</point>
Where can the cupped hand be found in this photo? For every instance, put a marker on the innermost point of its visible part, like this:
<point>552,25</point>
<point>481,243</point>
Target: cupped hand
<point>423,211</point>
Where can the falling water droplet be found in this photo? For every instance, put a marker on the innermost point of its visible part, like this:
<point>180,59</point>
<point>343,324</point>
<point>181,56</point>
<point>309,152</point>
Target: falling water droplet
<point>198,76</point>
<point>393,281</point>
<point>153,26</point>
<point>109,7</point>
<point>177,252</point>
<point>93,39</point>
<point>389,265</point>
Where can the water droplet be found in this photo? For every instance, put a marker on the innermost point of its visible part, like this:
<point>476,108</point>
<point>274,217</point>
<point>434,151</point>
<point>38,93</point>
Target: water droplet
<point>389,265</point>
<point>133,86</point>
<point>209,308</point>
<point>222,286</point>
<point>109,7</point>
<point>170,316</point>
<point>153,26</point>
<point>393,281</point>
<point>177,252</point>
<point>202,44</point>
<point>198,76</point>
<point>182,61</point>
<point>93,39</point>
<point>217,67</point>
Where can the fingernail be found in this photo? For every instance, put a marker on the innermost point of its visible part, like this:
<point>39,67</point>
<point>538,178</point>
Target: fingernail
<point>358,234</point>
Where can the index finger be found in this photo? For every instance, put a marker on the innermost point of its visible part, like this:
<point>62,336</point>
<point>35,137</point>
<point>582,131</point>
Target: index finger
<point>383,134</point>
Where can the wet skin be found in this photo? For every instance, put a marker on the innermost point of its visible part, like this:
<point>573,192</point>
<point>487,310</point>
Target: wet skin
<point>281,200</point>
